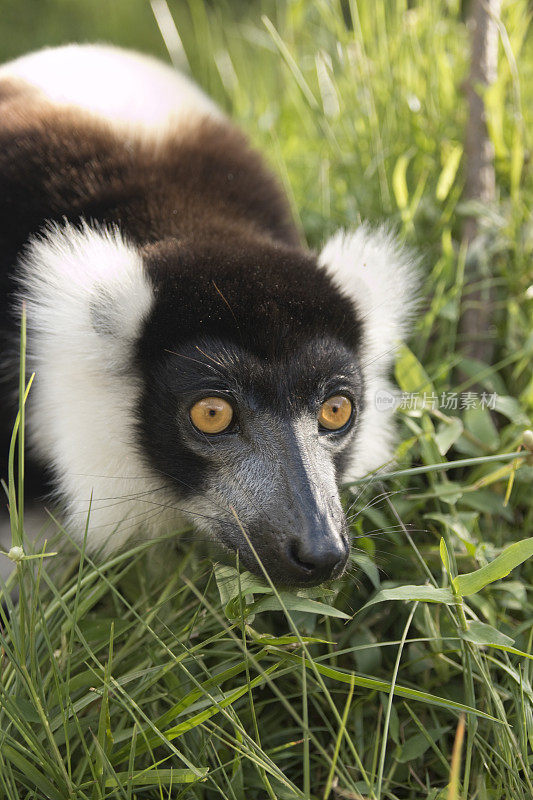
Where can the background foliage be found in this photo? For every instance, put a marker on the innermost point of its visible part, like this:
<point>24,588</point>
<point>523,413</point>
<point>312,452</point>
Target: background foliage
<point>118,684</point>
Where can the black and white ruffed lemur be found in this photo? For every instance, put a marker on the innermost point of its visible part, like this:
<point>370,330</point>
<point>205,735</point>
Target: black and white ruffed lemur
<point>193,361</point>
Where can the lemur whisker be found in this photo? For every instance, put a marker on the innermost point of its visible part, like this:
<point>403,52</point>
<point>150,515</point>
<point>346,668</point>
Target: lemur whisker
<point>188,486</point>
<point>352,505</point>
<point>122,498</point>
<point>368,482</point>
<point>196,361</point>
<point>371,480</point>
<point>140,497</point>
<point>231,310</point>
<point>143,498</point>
<point>160,506</point>
<point>365,364</point>
<point>219,363</point>
<point>375,501</point>
<point>108,477</point>
<point>391,529</point>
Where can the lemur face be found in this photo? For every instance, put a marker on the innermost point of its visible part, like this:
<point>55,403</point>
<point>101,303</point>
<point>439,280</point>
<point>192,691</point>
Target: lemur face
<point>254,448</point>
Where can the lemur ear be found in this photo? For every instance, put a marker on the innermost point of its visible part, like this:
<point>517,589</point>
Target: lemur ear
<point>381,278</point>
<point>86,294</point>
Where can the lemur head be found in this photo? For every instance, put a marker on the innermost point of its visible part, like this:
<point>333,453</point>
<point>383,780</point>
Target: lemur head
<point>252,393</point>
<point>232,384</point>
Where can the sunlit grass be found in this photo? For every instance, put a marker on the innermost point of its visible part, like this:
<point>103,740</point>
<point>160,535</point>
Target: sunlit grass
<point>119,682</point>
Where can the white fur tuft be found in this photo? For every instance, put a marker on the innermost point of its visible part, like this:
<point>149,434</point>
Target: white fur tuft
<point>86,296</point>
<point>380,276</point>
<point>126,88</point>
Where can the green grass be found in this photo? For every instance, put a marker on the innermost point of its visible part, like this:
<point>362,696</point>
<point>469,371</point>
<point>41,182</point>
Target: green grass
<point>117,684</point>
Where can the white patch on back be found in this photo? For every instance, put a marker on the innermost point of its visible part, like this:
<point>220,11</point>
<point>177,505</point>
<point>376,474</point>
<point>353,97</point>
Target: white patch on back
<point>82,402</point>
<point>380,276</point>
<point>126,88</point>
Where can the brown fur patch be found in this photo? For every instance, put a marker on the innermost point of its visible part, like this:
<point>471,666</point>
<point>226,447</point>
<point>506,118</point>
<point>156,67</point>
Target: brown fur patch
<point>59,162</point>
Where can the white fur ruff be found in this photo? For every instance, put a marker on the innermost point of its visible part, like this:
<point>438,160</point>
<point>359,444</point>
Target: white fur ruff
<point>381,278</point>
<point>81,405</point>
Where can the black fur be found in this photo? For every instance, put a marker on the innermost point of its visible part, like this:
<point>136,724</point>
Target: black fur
<point>252,290</point>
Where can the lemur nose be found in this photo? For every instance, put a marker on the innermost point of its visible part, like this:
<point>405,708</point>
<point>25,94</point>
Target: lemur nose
<point>316,560</point>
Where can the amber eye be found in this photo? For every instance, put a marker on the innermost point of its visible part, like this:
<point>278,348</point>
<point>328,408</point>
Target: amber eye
<point>335,412</point>
<point>211,415</point>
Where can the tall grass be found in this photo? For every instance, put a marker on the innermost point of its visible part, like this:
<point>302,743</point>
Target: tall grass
<point>402,680</point>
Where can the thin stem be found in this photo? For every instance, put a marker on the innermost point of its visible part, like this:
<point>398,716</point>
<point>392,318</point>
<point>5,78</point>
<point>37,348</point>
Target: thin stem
<point>462,462</point>
<point>389,704</point>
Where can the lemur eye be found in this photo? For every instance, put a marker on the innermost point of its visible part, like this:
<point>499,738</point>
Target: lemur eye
<point>211,415</point>
<point>335,412</point>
